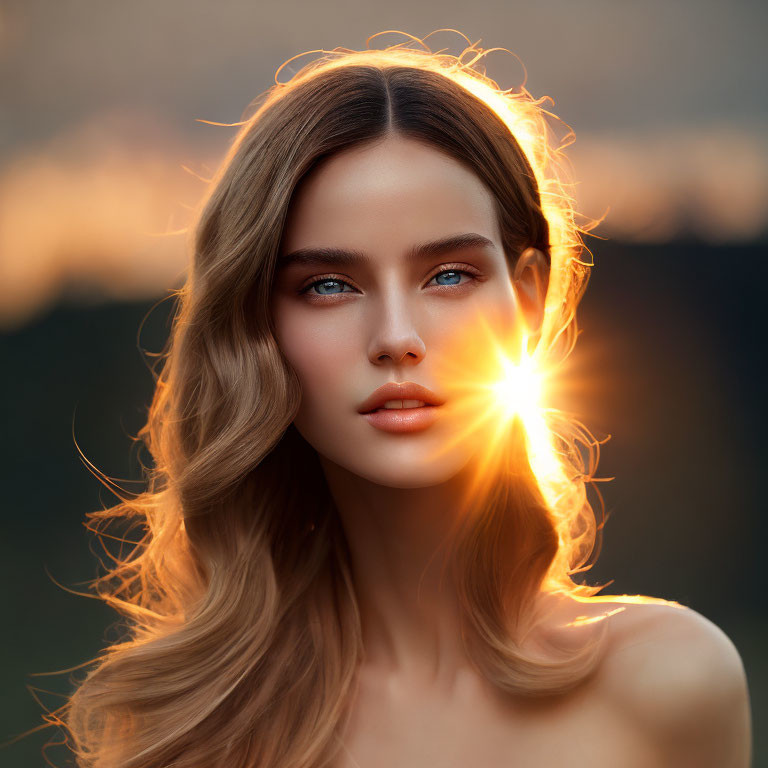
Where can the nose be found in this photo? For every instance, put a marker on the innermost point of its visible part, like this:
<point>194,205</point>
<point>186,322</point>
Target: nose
<point>395,337</point>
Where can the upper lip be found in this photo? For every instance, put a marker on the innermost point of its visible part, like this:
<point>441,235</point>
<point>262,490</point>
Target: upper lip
<point>406,390</point>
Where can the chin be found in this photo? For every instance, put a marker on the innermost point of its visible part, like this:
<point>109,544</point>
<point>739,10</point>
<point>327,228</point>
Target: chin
<point>405,477</point>
<point>405,471</point>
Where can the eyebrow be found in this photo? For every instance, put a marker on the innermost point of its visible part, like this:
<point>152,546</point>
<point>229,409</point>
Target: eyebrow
<point>343,257</point>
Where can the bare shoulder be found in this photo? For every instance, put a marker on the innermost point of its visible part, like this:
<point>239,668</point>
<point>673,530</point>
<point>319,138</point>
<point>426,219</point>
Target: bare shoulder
<point>681,679</point>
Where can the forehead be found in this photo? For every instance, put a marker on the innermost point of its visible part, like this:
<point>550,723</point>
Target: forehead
<point>391,193</point>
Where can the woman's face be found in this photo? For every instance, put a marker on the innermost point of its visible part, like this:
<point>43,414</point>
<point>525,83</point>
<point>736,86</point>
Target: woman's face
<point>348,328</point>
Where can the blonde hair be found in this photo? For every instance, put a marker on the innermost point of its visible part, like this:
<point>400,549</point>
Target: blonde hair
<point>243,635</point>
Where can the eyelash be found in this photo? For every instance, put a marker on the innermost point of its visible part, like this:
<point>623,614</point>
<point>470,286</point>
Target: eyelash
<point>337,278</point>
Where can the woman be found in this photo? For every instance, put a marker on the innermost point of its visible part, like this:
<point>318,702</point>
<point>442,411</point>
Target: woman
<point>359,550</point>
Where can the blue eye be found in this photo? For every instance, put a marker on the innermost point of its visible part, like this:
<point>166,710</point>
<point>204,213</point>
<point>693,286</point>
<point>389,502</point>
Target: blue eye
<point>455,276</point>
<point>323,286</point>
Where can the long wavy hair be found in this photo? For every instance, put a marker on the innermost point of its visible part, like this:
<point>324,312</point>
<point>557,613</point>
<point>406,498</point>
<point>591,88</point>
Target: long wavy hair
<point>242,634</point>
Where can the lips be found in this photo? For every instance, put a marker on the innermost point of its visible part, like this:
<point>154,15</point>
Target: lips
<point>401,420</point>
<point>406,390</point>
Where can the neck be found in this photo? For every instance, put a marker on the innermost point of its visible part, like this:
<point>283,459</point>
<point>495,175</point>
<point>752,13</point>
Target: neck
<point>408,605</point>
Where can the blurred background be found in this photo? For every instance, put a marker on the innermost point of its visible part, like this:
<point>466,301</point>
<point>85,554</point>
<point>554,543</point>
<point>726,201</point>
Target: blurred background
<point>103,154</point>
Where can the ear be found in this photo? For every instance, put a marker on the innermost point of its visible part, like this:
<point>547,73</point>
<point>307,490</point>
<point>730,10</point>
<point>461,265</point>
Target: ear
<point>530,280</point>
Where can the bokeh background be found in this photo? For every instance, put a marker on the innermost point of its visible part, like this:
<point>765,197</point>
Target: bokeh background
<point>103,153</point>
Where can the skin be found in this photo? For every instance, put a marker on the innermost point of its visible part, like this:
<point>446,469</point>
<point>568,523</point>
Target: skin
<point>420,701</point>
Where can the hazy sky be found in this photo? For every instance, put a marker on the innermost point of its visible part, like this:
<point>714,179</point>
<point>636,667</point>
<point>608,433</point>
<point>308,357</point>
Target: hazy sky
<point>609,65</point>
<point>99,100</point>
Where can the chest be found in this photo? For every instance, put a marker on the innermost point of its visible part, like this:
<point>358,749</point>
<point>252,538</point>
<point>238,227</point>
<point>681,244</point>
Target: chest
<point>582,731</point>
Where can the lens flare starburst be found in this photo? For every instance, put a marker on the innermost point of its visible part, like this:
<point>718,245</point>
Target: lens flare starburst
<point>519,389</point>
<point>495,386</point>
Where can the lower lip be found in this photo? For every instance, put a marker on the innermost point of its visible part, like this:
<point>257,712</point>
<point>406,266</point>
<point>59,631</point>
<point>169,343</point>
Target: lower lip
<point>403,419</point>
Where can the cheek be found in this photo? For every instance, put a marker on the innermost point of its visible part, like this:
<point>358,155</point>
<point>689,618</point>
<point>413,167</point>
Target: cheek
<point>499,304</point>
<point>472,326</point>
<point>319,348</point>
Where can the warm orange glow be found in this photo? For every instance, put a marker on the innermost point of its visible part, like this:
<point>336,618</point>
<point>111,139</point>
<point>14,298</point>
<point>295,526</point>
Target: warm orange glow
<point>492,380</point>
<point>519,391</point>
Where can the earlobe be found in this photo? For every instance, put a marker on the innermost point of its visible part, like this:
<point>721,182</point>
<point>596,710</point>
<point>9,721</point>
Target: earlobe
<point>530,281</point>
